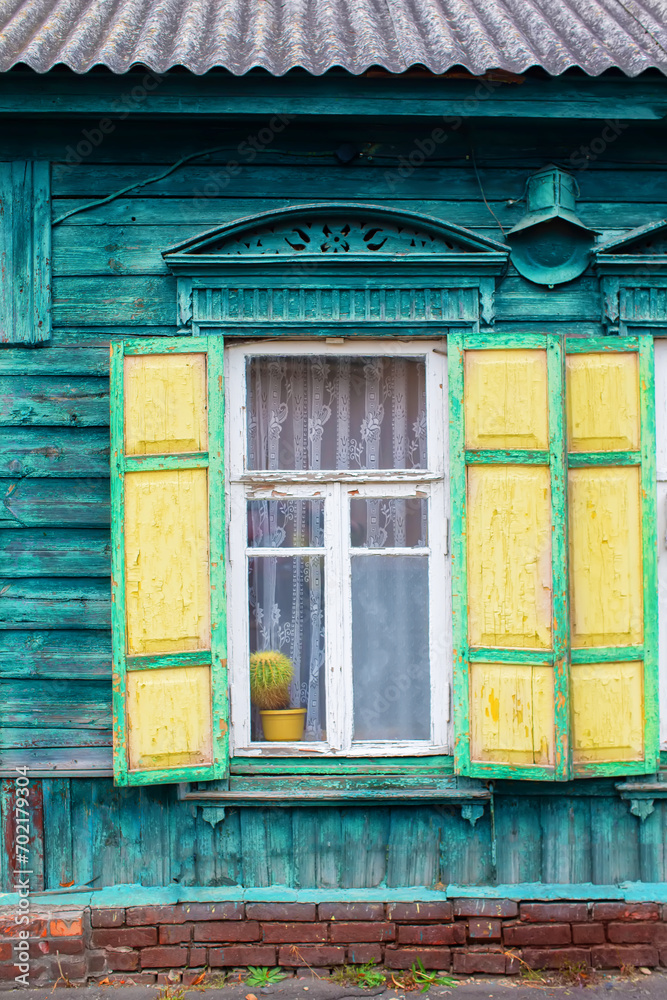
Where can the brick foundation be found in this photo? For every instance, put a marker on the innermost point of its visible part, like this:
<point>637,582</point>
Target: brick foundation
<point>168,944</point>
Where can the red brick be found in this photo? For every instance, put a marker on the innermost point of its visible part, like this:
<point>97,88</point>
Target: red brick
<point>351,911</point>
<point>490,962</point>
<point>281,911</point>
<point>164,956</point>
<point>5,951</point>
<point>405,958</point>
<point>588,933</point>
<point>613,956</point>
<point>659,937</point>
<point>484,929</point>
<point>197,956</point>
<point>641,932</point>
<point>96,962</point>
<point>213,911</point>
<point>625,911</point>
<point>133,979</point>
<point>142,915</point>
<point>485,908</point>
<point>353,932</point>
<point>294,933</point>
<point>120,937</point>
<point>554,912</point>
<point>228,930</point>
<point>663,957</point>
<point>313,955</point>
<point>168,978</point>
<point>190,975</point>
<point>67,946</point>
<point>546,935</point>
<point>122,959</point>
<point>414,912</point>
<point>360,954</point>
<point>176,933</point>
<point>556,958</point>
<point>432,934</point>
<point>65,928</point>
<point>242,955</point>
<point>512,965</point>
<point>36,928</point>
<point>112,916</point>
<point>71,968</point>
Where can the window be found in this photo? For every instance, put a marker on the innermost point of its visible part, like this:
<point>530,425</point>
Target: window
<point>337,535</point>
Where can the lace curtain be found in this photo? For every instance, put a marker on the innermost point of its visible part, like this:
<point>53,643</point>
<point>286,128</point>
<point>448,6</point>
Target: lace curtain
<point>320,413</point>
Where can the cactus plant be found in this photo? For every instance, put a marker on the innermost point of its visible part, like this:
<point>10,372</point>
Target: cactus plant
<point>271,674</point>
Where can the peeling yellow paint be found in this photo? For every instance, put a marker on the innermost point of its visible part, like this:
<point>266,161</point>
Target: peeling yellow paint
<point>166,560</point>
<point>165,404</point>
<point>169,717</point>
<point>603,402</point>
<point>506,399</point>
<point>519,727</point>
<point>605,556</point>
<point>607,712</point>
<point>509,556</point>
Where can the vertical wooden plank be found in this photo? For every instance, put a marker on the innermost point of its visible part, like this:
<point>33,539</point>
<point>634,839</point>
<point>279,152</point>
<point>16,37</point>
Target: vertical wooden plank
<point>266,839</point>
<point>364,847</point>
<point>459,543</point>
<point>118,613</point>
<point>518,839</point>
<point>419,864</point>
<point>465,849</point>
<point>652,867</point>
<point>25,252</point>
<point>30,855</point>
<point>559,558</point>
<point>58,864</point>
<point>650,554</point>
<point>83,794</point>
<point>614,842</point>
<point>565,839</point>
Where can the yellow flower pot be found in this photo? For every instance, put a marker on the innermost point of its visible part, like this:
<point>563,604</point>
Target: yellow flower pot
<point>283,725</point>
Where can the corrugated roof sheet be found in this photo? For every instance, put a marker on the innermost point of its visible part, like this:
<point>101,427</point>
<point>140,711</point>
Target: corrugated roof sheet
<point>317,35</point>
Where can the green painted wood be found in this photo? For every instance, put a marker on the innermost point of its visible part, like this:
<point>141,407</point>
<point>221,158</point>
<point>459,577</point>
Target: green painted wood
<point>61,452</point>
<point>160,661</point>
<point>84,361</point>
<point>490,654</point>
<point>37,735</point>
<point>71,703</point>
<point>53,401</point>
<point>578,460</point>
<point>609,654</point>
<point>55,552</point>
<point>25,249</point>
<point>154,463</point>
<point>55,653</point>
<point>515,457</point>
<point>54,503</point>
<point>351,765</point>
<point>58,857</point>
<point>55,602</point>
<point>135,301</point>
<point>598,345</point>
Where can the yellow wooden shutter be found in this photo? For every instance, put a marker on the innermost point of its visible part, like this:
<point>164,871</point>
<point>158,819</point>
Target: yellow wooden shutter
<point>554,582</point>
<point>168,566</point>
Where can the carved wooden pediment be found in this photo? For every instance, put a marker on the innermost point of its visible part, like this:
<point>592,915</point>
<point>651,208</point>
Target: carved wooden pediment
<point>633,270</point>
<point>337,233</point>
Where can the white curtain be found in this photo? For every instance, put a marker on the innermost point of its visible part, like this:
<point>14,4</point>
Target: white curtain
<point>317,413</point>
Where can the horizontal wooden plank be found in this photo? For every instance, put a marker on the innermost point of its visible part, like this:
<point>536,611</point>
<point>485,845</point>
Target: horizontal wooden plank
<point>351,765</point>
<point>26,361</point>
<point>130,301</point>
<point>55,653</point>
<point>48,704</point>
<point>55,552</point>
<point>51,761</point>
<point>46,503</point>
<point>53,401</point>
<point>61,452</point>
<point>38,735</point>
<point>55,602</point>
<point>325,179</point>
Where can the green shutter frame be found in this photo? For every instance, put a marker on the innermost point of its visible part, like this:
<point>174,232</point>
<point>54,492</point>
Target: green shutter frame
<point>214,462</point>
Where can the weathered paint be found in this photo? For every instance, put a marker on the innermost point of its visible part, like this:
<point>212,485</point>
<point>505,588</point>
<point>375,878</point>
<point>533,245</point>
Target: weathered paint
<point>165,404</point>
<point>605,556</point>
<point>509,556</point>
<point>603,402</point>
<point>506,399</point>
<point>512,713</point>
<point>607,712</point>
<point>169,717</point>
<point>166,561</point>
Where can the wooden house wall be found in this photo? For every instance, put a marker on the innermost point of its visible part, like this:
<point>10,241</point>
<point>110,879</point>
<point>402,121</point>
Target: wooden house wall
<point>109,282</point>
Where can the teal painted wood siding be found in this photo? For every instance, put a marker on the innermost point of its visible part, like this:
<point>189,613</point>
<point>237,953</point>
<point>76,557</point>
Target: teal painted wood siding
<point>110,283</point>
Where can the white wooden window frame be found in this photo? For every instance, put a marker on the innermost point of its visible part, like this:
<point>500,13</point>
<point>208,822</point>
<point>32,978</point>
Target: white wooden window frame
<point>661,468</point>
<point>335,487</point>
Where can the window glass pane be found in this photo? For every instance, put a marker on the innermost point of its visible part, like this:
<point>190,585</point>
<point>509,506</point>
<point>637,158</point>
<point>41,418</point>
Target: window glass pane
<point>388,522</point>
<point>286,524</point>
<point>336,413</point>
<point>286,613</point>
<point>390,648</point>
